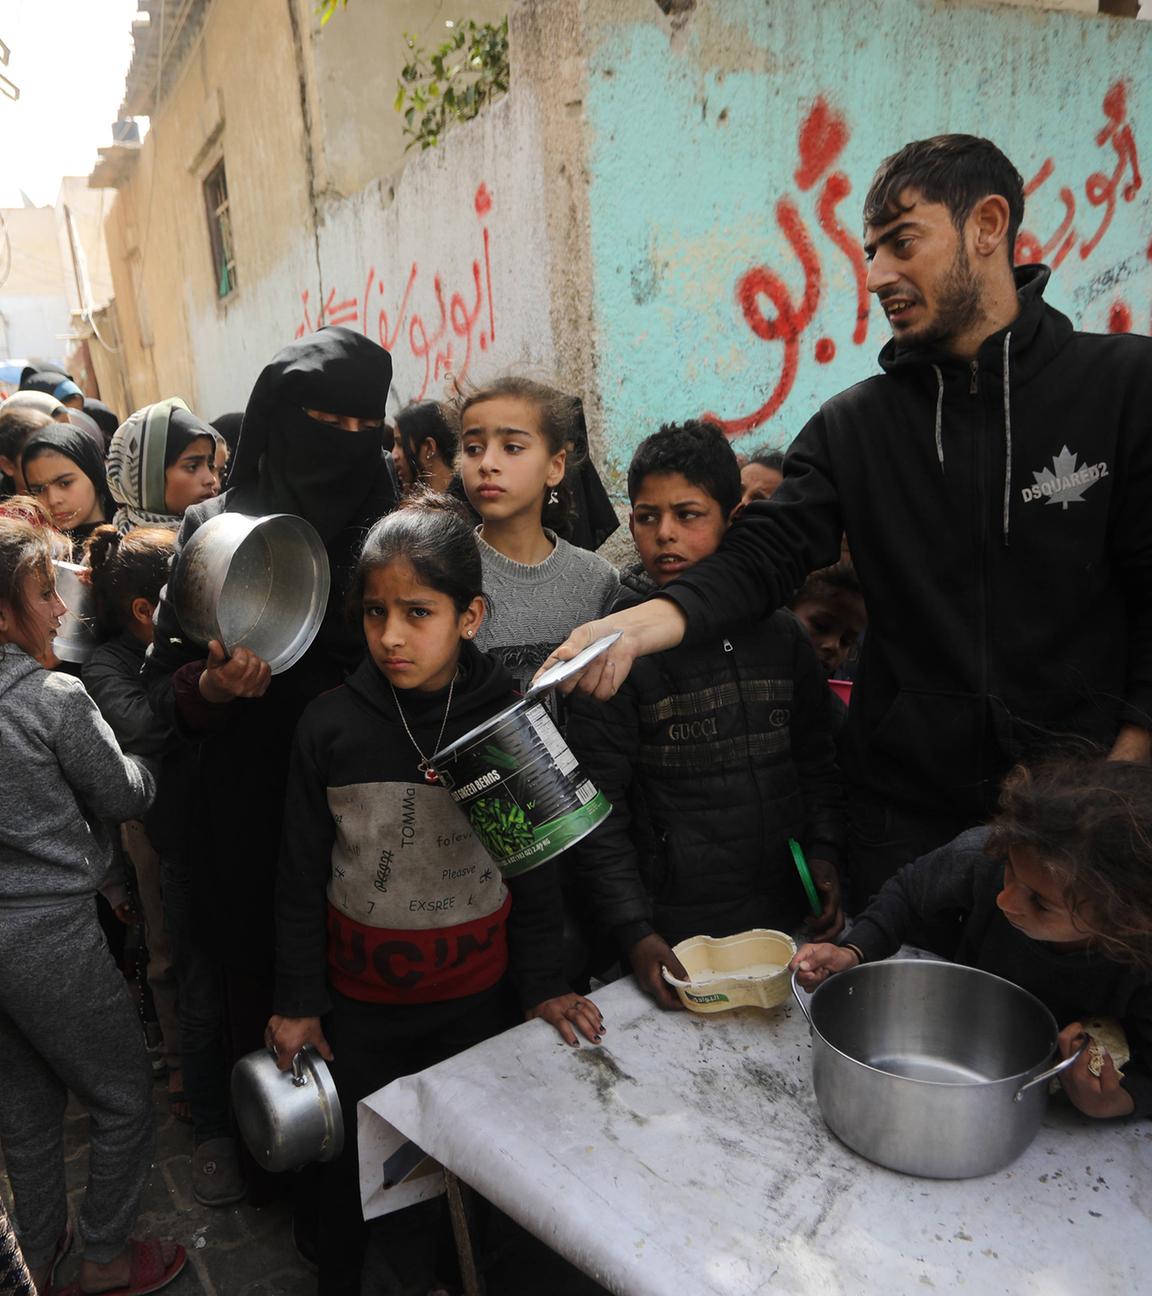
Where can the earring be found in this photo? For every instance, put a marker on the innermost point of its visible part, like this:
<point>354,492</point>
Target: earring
<point>553,497</point>
<point>469,633</point>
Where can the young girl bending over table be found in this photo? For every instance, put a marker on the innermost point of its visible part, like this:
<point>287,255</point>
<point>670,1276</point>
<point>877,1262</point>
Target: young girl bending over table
<point>394,928</point>
<point>1054,895</point>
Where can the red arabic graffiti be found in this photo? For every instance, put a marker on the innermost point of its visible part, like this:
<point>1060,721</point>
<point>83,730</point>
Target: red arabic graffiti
<point>773,314</point>
<point>443,340</point>
<point>1100,189</point>
<point>823,136</point>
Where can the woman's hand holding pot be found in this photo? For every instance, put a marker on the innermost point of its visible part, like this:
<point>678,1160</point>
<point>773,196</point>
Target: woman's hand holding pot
<point>816,963</point>
<point>224,678</point>
<point>288,1035</point>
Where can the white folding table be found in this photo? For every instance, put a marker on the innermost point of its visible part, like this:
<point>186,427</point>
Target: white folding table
<point>687,1155</point>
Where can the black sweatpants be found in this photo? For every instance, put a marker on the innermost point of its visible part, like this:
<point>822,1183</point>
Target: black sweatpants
<point>374,1044</point>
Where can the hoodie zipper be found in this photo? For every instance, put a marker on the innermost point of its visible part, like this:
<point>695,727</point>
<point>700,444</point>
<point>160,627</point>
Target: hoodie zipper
<point>982,470</point>
<point>729,647</point>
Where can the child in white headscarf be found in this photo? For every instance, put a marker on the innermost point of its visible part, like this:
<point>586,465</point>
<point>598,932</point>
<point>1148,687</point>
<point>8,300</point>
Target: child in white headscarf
<point>162,460</point>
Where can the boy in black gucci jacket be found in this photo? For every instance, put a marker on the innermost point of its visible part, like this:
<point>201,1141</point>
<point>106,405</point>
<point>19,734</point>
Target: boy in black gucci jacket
<point>714,755</point>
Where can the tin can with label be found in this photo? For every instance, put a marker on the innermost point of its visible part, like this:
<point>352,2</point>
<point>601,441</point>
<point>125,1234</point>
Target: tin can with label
<point>517,781</point>
<point>521,788</point>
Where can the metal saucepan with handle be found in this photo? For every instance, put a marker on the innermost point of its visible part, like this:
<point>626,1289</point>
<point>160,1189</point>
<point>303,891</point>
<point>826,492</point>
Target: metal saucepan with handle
<point>930,1068</point>
<point>258,583</point>
<point>287,1119</point>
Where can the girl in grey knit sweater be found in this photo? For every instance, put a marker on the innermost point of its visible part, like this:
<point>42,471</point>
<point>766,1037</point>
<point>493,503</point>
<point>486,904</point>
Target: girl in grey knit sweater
<point>66,1019</point>
<point>517,440</point>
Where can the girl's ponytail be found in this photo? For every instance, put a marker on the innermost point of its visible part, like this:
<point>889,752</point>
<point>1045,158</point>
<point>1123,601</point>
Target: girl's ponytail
<point>125,568</point>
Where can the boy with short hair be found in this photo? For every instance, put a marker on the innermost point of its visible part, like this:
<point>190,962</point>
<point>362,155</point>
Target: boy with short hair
<point>713,754</point>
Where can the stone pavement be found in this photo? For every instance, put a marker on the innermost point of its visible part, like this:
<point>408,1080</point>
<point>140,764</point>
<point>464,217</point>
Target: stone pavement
<point>232,1251</point>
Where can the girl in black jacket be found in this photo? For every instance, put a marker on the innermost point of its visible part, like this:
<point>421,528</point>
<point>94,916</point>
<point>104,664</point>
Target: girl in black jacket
<point>394,929</point>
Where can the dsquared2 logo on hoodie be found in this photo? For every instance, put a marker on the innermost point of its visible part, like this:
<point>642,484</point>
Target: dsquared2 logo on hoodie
<point>1065,482</point>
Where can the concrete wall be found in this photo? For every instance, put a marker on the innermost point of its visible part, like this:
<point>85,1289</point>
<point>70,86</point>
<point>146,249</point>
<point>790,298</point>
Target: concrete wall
<point>357,57</point>
<point>449,270</point>
<point>33,298</point>
<point>431,260</point>
<point>237,95</point>
<point>729,151</point>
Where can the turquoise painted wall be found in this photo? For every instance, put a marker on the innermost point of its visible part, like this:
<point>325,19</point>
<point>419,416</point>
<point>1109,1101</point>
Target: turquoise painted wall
<point>729,160</point>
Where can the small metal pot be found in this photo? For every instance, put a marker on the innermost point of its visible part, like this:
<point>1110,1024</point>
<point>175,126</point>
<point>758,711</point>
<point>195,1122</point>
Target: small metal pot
<point>930,1068</point>
<point>76,637</point>
<point>258,583</point>
<point>287,1119</point>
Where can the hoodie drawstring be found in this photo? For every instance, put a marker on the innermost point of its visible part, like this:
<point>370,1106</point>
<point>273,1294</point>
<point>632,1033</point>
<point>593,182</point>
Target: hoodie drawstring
<point>1007,435</point>
<point>939,415</point>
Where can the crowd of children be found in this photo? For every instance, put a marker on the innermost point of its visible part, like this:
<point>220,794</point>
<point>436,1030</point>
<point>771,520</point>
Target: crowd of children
<point>283,837</point>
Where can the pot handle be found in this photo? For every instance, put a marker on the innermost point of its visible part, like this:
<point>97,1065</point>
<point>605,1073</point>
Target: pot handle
<point>1052,1071</point>
<point>299,1075</point>
<point>801,996</point>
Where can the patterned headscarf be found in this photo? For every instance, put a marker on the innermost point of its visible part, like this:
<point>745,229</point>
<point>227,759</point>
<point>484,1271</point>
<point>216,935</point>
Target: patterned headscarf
<point>145,445</point>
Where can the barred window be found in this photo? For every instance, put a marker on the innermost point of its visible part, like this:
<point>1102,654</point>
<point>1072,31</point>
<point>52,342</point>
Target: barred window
<point>220,230</point>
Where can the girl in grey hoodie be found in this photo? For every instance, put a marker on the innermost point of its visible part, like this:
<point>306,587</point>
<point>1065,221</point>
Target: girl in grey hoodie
<point>66,1020</point>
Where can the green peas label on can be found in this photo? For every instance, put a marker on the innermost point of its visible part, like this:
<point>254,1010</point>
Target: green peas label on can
<point>521,788</point>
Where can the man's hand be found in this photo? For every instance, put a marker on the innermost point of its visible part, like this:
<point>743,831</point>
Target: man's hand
<point>565,1011</point>
<point>243,675</point>
<point>829,922</point>
<point>1100,1096</point>
<point>288,1035</point>
<point>649,627</point>
<point>648,956</point>
<point>816,963</point>
<point>1132,744</point>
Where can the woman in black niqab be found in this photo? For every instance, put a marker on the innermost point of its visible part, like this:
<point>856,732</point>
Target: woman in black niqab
<point>288,461</point>
<point>226,829</point>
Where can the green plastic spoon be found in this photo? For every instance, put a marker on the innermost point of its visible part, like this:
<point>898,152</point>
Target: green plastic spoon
<point>805,876</point>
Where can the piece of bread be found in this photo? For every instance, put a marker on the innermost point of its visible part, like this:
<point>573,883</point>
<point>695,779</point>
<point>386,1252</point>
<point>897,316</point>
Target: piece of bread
<point>1106,1036</point>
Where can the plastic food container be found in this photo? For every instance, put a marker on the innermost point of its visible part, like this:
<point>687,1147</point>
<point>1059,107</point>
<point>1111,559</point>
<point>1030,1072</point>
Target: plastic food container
<point>76,637</point>
<point>748,970</point>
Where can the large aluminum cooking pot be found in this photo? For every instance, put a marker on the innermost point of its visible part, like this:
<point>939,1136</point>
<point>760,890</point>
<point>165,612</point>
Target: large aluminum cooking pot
<point>930,1068</point>
<point>76,637</point>
<point>287,1119</point>
<point>258,583</point>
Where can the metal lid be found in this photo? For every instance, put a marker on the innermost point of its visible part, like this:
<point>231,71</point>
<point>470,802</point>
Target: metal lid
<point>565,670</point>
<point>549,680</point>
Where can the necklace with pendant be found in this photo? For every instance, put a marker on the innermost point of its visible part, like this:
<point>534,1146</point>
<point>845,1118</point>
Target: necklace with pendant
<point>425,766</point>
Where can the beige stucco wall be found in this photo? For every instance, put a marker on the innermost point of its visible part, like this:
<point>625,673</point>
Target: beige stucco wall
<point>226,100</point>
<point>357,57</point>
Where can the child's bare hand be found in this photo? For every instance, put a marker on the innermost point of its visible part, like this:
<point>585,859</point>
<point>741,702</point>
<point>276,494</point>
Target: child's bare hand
<point>829,922</point>
<point>1100,1096</point>
<point>648,956</point>
<point>243,675</point>
<point>288,1035</point>
<point>816,963</point>
<point>566,1011</point>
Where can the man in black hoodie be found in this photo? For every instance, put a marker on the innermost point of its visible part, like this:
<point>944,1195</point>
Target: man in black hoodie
<point>995,485</point>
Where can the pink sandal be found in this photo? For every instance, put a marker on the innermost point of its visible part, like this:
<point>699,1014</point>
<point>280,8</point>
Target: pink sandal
<point>149,1272</point>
